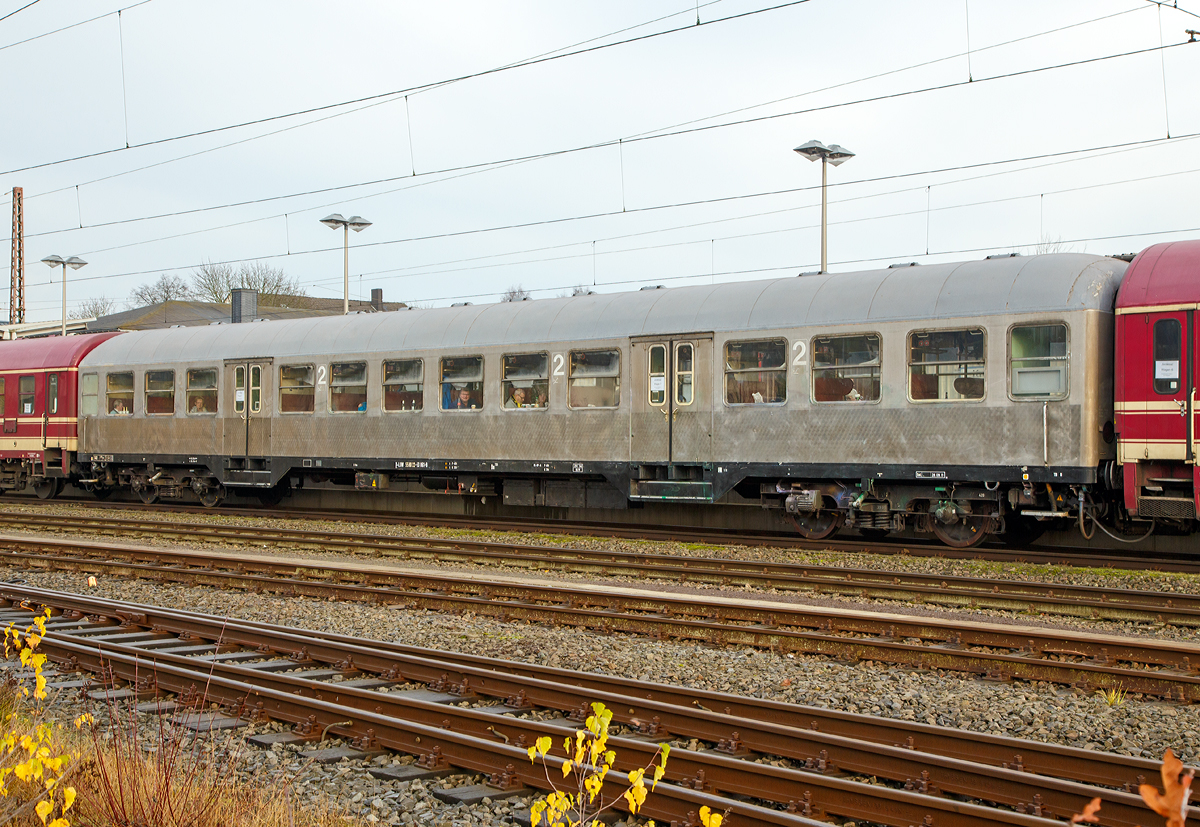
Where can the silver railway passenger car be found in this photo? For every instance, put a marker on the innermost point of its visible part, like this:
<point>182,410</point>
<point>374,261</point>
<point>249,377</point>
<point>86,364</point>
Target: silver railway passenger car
<point>963,399</point>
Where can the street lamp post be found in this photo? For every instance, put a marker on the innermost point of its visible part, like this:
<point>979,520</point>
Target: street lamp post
<point>356,223</point>
<point>832,154</point>
<point>74,262</point>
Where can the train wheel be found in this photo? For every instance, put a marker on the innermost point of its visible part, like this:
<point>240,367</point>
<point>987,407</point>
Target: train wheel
<point>817,525</point>
<point>102,493</point>
<point>210,495</point>
<point>47,488</point>
<point>966,532</point>
<point>147,494</point>
<point>271,497</point>
<point>1021,531</point>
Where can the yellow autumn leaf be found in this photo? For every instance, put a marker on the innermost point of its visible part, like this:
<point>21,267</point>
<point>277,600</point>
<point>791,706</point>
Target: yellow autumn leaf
<point>566,768</point>
<point>68,798</point>
<point>43,809</point>
<point>543,744</point>
<point>659,772</point>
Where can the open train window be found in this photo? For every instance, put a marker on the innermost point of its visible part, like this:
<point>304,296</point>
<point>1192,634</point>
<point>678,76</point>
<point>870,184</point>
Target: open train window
<point>526,381</point>
<point>946,365</point>
<point>89,391</point>
<point>402,385</point>
<point>27,395</point>
<point>119,393</point>
<point>1168,350</point>
<point>160,392</point>
<point>595,380</point>
<point>462,383</point>
<point>348,387</point>
<point>756,372</point>
<point>202,391</point>
<point>297,392</point>
<point>846,368</point>
<point>1037,361</point>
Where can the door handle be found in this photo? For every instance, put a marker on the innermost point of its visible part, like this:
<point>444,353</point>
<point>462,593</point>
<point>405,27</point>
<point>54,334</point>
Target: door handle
<point>1183,405</point>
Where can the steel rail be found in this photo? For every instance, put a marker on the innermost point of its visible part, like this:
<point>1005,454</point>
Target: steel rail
<point>1093,602</point>
<point>634,702</point>
<point>991,650</point>
<point>1066,556</point>
<point>705,771</point>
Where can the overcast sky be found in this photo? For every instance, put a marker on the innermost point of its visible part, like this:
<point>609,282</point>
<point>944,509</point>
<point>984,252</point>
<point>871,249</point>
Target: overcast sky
<point>635,146</point>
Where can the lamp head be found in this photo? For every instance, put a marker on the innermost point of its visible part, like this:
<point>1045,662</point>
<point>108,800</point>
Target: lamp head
<point>75,262</point>
<point>53,261</point>
<point>839,155</point>
<point>334,221</point>
<point>358,223</point>
<point>813,150</point>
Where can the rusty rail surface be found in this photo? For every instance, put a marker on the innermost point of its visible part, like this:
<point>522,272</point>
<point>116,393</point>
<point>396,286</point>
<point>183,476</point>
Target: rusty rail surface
<point>1143,665</point>
<point>1091,602</point>
<point>917,547</point>
<point>136,644</point>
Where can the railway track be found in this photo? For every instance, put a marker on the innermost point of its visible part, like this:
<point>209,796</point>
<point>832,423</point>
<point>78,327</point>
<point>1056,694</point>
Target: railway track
<point>1159,668</point>
<point>945,777</point>
<point>686,534</point>
<point>1098,603</point>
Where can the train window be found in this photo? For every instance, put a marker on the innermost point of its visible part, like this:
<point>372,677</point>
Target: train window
<point>946,365</point>
<point>1168,347</point>
<point>297,393</point>
<point>526,382</point>
<point>1037,361</point>
<point>255,388</point>
<point>846,368</point>
<point>160,392</point>
<point>239,389</point>
<point>462,383</point>
<point>2,408</point>
<point>119,393</point>
<point>402,385</point>
<point>658,374</point>
<point>756,372</point>
<point>26,389</point>
<point>348,387</point>
<point>52,393</point>
<point>595,380</point>
<point>89,391</point>
<point>202,391</point>
<point>685,368</point>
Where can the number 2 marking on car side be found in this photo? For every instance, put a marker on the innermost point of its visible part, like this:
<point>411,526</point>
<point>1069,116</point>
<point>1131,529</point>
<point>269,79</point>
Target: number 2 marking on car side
<point>800,349</point>
<point>558,361</point>
<point>320,374</point>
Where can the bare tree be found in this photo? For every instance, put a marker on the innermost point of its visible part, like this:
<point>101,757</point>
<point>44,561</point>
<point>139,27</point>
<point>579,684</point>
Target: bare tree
<point>94,308</point>
<point>1051,245</point>
<point>167,288</point>
<point>516,293</point>
<point>213,282</point>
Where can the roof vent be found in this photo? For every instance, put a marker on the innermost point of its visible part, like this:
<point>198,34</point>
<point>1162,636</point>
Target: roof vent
<point>179,325</point>
<point>813,273</point>
<point>210,324</point>
<point>1004,255</point>
<point>461,304</point>
<point>1125,256</point>
<point>902,265</point>
<point>654,287</point>
<point>527,299</point>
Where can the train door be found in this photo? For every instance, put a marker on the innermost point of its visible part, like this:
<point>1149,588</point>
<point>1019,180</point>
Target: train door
<point>248,409</point>
<point>672,408</point>
<point>1162,429</point>
<point>51,410</point>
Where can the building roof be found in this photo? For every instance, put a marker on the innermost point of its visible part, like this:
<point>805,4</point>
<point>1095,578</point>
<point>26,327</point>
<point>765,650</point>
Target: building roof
<point>189,314</point>
<point>1164,274</point>
<point>48,351</point>
<point>335,305</point>
<point>1049,284</point>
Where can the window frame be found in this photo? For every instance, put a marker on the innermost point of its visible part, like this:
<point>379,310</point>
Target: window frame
<point>691,374</point>
<point>146,392</point>
<point>651,374</point>
<point>31,393</point>
<point>383,385</point>
<point>313,372</point>
<point>908,364</point>
<point>571,377</point>
<point>108,392</point>
<point>214,390</point>
<point>723,352</point>
<point>481,382</point>
<point>1066,360</point>
<point>813,370</point>
<point>83,394</point>
<point>1181,360</point>
<point>504,381</point>
<point>366,385</point>
<point>52,394</point>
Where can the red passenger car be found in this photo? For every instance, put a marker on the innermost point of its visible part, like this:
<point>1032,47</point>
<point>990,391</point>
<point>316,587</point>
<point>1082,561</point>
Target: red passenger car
<point>39,397</point>
<point>1157,359</point>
